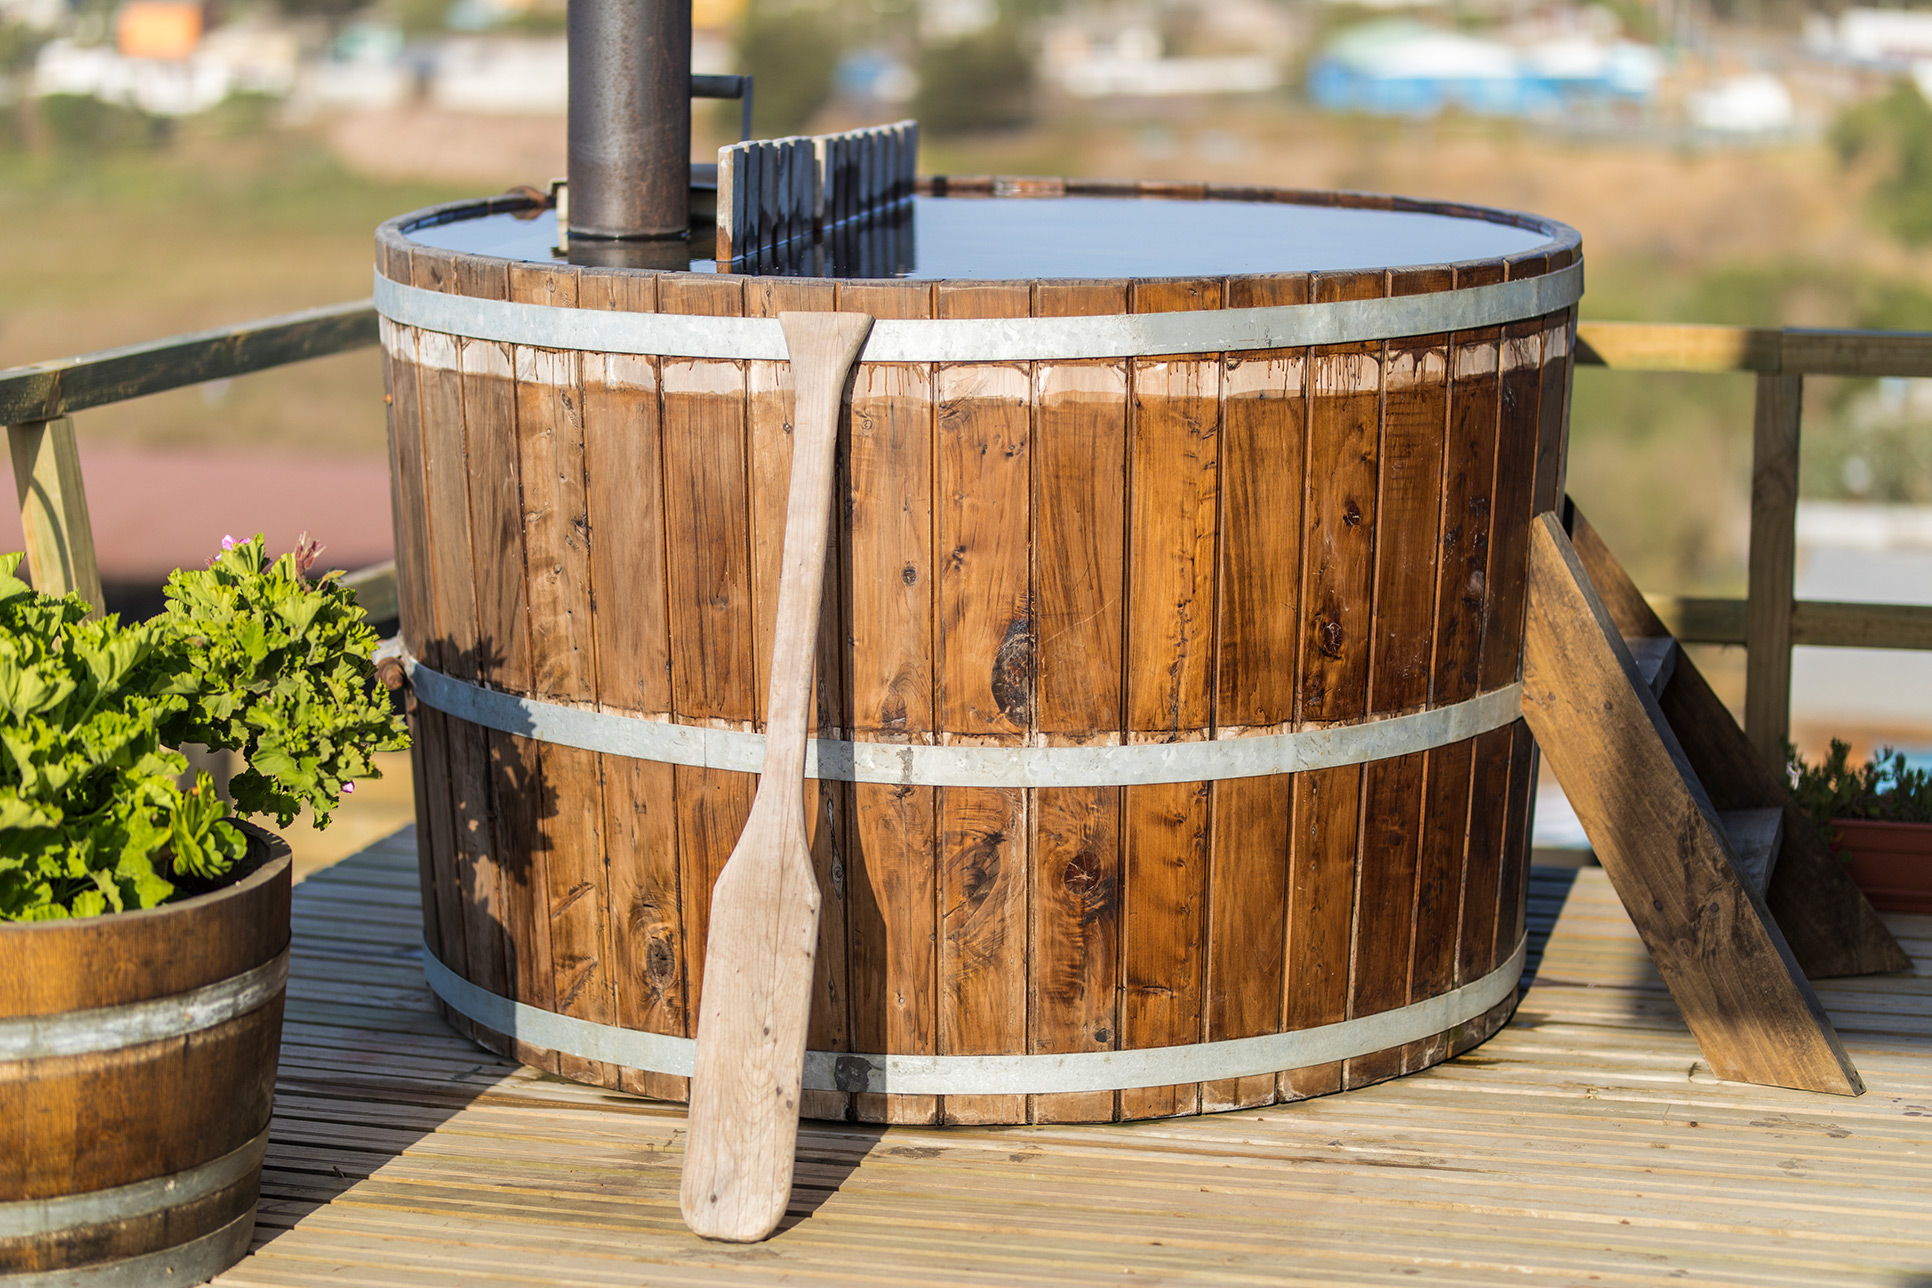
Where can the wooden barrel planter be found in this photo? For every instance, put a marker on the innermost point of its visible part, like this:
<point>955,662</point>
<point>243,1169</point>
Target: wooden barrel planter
<point>137,1069</point>
<point>1169,757</point>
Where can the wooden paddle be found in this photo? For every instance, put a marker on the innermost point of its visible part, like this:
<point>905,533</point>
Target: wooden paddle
<point>764,909</point>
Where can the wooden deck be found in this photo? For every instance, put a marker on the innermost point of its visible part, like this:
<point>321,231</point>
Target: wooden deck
<point>1585,1143</point>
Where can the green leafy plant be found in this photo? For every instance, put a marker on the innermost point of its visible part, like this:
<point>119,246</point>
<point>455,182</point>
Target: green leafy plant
<point>1882,788</point>
<point>250,655</point>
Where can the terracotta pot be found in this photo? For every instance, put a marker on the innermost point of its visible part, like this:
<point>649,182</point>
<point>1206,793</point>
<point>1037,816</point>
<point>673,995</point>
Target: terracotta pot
<point>1891,862</point>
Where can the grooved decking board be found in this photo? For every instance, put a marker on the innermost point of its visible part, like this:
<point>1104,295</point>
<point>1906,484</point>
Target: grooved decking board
<point>1585,1142</point>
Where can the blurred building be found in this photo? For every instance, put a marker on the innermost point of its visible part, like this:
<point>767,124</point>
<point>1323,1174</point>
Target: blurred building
<point>1099,53</point>
<point>1401,67</point>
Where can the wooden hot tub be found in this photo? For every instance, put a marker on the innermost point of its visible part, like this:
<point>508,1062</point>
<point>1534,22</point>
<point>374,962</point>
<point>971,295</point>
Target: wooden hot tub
<point>1167,691</point>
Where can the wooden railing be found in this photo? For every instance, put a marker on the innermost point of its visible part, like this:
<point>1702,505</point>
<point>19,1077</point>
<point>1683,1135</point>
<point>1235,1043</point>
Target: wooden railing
<point>1770,620</point>
<point>37,402</point>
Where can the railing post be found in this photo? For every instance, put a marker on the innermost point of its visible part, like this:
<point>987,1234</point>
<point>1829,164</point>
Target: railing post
<point>53,509</point>
<point>1774,553</point>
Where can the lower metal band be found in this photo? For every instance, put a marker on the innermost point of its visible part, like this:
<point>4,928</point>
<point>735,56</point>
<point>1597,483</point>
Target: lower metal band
<point>193,1262</point>
<point>918,765</point>
<point>25,1218</point>
<point>1130,335</point>
<point>981,1075</point>
<point>109,1028</point>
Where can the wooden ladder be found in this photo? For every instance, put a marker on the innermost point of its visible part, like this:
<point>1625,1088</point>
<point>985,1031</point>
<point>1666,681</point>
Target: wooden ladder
<point>1735,896</point>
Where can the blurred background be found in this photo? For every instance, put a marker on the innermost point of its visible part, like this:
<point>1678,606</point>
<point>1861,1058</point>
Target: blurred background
<point>169,165</point>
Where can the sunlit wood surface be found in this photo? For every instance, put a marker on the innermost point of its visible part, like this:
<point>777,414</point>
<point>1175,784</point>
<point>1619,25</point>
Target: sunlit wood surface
<point>1586,1143</point>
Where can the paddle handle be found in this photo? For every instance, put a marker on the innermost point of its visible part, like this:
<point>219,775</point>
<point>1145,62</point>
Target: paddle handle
<point>823,347</point>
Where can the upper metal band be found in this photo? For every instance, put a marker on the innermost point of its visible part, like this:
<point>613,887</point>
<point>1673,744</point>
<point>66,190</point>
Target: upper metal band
<point>992,339</point>
<point>1036,1074</point>
<point>919,765</point>
<point>25,1218</point>
<point>109,1028</point>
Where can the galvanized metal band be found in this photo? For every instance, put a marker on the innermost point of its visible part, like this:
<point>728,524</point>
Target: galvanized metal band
<point>110,1028</point>
<point>25,1218</point>
<point>193,1262</point>
<point>1287,326</point>
<point>921,765</point>
<point>975,1075</point>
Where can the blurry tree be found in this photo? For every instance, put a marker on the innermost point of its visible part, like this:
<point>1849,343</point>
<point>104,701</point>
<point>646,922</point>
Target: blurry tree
<point>979,82</point>
<point>1894,135</point>
<point>791,52</point>
<point>80,124</point>
<point>18,45</point>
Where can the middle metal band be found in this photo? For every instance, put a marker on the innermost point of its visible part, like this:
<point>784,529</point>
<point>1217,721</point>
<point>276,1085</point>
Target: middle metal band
<point>109,1028</point>
<point>1132,335</point>
<point>918,765</point>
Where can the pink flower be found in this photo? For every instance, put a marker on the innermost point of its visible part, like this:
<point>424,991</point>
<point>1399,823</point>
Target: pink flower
<point>348,789</point>
<point>228,542</point>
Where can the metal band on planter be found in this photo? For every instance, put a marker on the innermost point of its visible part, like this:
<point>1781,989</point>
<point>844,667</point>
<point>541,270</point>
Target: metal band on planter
<point>1244,756</point>
<point>961,1075</point>
<point>193,1262</point>
<point>109,1028</point>
<point>21,1218</point>
<point>992,339</point>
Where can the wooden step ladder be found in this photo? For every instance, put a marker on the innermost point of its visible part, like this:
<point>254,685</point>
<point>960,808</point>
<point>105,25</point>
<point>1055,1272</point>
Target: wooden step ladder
<point>1735,896</point>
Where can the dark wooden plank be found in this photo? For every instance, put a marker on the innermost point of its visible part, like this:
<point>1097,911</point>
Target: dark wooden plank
<point>1823,915</point>
<point>558,590</point>
<point>1263,456</point>
<point>1772,563</point>
<point>1173,510</point>
<point>1321,897</point>
<point>1248,930</point>
<point>889,601</point>
<point>1415,407</point>
<point>455,753</point>
<point>1079,556</point>
<point>630,627</point>
<point>495,568</point>
<point>1659,840</point>
<point>47,390</point>
<point>983,693</point>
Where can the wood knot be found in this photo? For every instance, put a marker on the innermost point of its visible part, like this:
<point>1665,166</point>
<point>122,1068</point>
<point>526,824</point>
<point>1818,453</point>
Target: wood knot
<point>1352,515</point>
<point>1329,637</point>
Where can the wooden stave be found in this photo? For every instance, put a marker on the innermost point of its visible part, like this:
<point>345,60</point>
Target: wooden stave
<point>192,944</point>
<point>703,293</point>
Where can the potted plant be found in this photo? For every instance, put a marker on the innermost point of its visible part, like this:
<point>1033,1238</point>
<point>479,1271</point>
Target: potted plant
<point>1878,818</point>
<point>143,929</point>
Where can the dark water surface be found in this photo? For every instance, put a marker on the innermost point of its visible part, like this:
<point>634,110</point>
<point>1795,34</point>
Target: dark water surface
<point>963,237</point>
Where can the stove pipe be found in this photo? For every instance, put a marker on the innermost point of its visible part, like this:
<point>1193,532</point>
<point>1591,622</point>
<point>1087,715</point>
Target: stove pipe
<point>630,119</point>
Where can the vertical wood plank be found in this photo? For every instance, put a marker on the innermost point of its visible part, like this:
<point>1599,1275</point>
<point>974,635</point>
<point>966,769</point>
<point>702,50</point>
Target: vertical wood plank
<point>399,382</point>
<point>1171,556</point>
<point>1408,515</point>
<point>559,590</point>
<point>630,631</point>
<point>1079,556</point>
<point>1263,449</point>
<point>472,467</point>
<point>454,754</point>
<point>712,625</point>
<point>889,604</point>
<point>769,387</point>
<point>1773,562</point>
<point>1338,579</point>
<point>1321,895</point>
<point>53,510</point>
<point>983,692</point>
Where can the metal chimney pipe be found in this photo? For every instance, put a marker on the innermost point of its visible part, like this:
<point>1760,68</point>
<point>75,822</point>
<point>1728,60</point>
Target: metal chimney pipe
<point>630,119</point>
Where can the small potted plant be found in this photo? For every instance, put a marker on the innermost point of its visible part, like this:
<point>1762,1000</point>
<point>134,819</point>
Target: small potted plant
<point>1878,818</point>
<point>143,929</point>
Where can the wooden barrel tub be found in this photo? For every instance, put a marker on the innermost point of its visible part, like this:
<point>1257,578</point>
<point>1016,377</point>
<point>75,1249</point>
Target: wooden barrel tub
<point>1167,693</point>
<point>137,1069</point>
